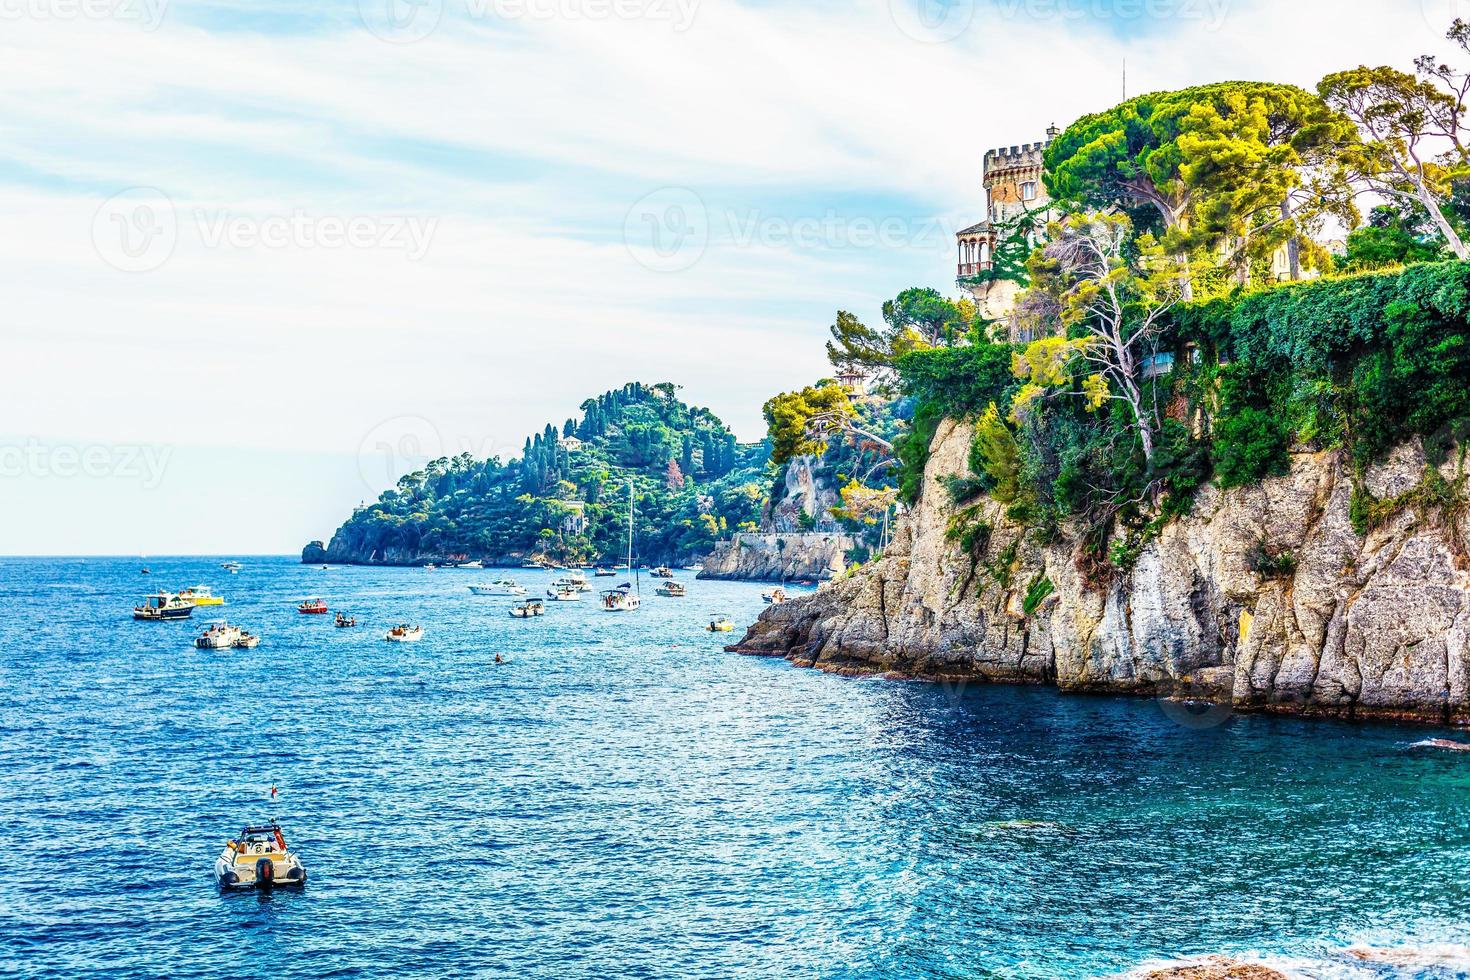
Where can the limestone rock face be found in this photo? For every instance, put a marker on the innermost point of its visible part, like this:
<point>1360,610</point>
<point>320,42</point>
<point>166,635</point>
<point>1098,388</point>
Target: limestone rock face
<point>779,557</point>
<point>1375,626</point>
<point>315,553</point>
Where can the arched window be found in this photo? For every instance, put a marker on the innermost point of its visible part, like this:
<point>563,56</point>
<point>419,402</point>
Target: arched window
<point>984,256</point>
<point>1028,190</point>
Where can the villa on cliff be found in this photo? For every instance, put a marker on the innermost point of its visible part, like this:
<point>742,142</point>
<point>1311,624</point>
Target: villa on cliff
<point>1014,191</point>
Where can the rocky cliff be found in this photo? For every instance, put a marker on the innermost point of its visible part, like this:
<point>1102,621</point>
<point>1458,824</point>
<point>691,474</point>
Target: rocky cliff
<point>1337,623</point>
<point>779,557</point>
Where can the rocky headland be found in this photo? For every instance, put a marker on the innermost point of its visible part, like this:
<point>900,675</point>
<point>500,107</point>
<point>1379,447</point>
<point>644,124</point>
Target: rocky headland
<point>1342,624</point>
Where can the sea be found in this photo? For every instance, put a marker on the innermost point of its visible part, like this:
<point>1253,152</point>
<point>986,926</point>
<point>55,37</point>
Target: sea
<point>618,796</point>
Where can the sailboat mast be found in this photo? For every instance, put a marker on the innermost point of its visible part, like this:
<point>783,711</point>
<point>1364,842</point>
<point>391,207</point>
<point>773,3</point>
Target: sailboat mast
<point>638,583</point>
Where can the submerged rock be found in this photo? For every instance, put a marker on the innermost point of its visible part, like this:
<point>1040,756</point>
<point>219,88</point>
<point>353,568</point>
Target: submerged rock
<point>1374,626</point>
<point>1451,956</point>
<point>1214,968</point>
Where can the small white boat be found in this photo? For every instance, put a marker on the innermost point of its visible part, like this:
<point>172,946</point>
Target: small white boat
<point>671,589</point>
<point>527,610</point>
<point>503,587</point>
<point>627,597</point>
<point>564,594</point>
<point>774,596</point>
<point>247,641</point>
<point>218,635</point>
<point>258,858</point>
<point>405,634</point>
<point>662,571</point>
<point>231,566</point>
<point>604,573</point>
<point>471,564</point>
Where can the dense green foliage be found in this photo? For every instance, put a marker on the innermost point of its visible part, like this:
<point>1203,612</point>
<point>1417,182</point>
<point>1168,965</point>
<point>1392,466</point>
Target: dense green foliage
<point>568,502</point>
<point>1360,363</point>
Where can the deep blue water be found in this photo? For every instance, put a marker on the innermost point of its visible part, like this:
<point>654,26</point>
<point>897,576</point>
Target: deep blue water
<point>624,799</point>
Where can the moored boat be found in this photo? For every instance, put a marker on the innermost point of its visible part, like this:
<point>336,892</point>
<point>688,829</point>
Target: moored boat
<point>405,634</point>
<point>672,589</point>
<point>312,606</point>
<point>247,641</point>
<point>218,635</point>
<point>476,564</point>
<point>202,595</point>
<point>626,598</point>
<point>163,606</point>
<point>662,571</point>
<point>258,858</point>
<point>720,623</point>
<point>504,586</point>
<point>774,596</point>
<point>527,610</point>
<point>604,573</point>
<point>343,622</point>
<point>564,593</point>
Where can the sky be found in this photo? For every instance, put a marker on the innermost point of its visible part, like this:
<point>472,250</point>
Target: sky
<point>262,257</point>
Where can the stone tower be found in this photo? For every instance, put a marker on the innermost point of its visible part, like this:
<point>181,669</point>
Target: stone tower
<point>1013,189</point>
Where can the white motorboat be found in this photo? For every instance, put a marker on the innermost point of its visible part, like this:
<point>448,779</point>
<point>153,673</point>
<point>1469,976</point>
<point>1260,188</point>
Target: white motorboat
<point>219,635</point>
<point>564,593</point>
<point>471,564</point>
<point>259,858</point>
<point>774,596</point>
<point>627,598</point>
<point>671,589</point>
<point>405,634</point>
<point>527,610</point>
<point>504,586</point>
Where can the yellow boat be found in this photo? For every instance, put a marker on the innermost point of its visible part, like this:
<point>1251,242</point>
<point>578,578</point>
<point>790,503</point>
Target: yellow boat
<point>721,624</point>
<point>202,595</point>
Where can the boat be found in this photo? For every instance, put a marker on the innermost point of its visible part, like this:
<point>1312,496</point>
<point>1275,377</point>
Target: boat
<point>526,610</point>
<point>344,622</point>
<point>662,571</point>
<point>430,567</point>
<point>564,593</point>
<point>201,595</point>
<point>626,598</point>
<point>604,573</point>
<point>471,564</point>
<point>218,635</point>
<point>258,858</point>
<point>312,606</point>
<point>247,641</point>
<point>693,568</point>
<point>577,580</point>
<point>405,634</point>
<point>532,564</point>
<point>163,606</point>
<point>231,566</point>
<point>671,589</point>
<point>504,586</point>
<point>774,596</point>
<point>721,623</point>
<point>144,571</point>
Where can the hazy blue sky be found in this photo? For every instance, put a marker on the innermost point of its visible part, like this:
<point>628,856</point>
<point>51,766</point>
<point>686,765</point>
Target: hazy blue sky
<point>261,256</point>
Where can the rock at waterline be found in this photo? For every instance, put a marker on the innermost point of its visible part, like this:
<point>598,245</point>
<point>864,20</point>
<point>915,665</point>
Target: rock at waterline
<point>1214,968</point>
<point>1442,743</point>
<point>314,553</point>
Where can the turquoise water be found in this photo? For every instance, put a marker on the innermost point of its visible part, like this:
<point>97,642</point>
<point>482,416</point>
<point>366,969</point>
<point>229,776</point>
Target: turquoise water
<point>622,798</point>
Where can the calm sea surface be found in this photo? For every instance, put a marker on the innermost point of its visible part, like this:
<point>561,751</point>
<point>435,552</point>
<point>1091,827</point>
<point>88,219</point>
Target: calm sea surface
<point>621,798</point>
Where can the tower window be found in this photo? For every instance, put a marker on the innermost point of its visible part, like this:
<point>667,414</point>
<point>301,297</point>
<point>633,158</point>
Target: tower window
<point>1028,190</point>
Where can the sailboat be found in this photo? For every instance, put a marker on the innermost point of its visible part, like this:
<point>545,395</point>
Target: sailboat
<point>626,598</point>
